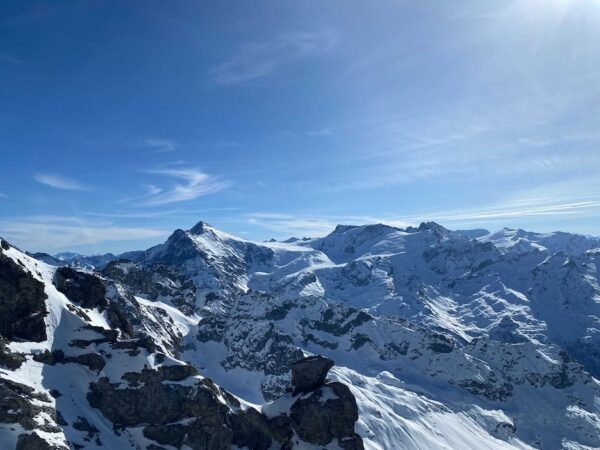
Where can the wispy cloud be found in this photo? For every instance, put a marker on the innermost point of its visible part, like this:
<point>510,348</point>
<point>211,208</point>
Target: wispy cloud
<point>585,137</point>
<point>401,151</point>
<point>3,195</point>
<point>526,206</point>
<point>52,233</point>
<point>186,184</point>
<point>569,199</point>
<point>532,209</point>
<point>286,134</point>
<point>535,207</point>
<point>285,225</point>
<point>320,132</point>
<point>516,211</point>
<point>159,145</point>
<point>260,59</point>
<point>135,215</point>
<point>289,225</point>
<point>60,182</point>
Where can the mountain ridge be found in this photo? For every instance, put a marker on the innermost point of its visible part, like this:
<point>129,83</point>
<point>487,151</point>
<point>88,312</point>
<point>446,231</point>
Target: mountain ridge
<point>428,327</point>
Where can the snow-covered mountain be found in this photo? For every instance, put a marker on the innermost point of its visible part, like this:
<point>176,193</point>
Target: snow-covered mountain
<point>445,339</point>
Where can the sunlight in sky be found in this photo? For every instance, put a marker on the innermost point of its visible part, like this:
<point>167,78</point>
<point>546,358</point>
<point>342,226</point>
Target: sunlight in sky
<point>271,120</point>
<point>300,224</point>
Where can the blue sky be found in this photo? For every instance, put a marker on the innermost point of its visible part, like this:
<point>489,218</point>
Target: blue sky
<point>121,121</point>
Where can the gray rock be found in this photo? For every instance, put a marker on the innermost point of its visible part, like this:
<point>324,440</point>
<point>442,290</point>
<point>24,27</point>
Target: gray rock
<point>82,424</point>
<point>8,359</point>
<point>217,426</point>
<point>324,416</point>
<point>94,361</point>
<point>21,404</point>
<point>34,442</point>
<point>154,282</point>
<point>310,373</point>
<point>202,416</point>
<point>83,288</point>
<point>22,303</point>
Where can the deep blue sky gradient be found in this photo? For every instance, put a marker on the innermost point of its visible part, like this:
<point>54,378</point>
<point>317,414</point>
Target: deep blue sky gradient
<point>121,121</point>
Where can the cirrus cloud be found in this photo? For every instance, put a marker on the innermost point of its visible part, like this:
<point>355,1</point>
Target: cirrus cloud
<point>185,184</point>
<point>53,233</point>
<point>60,182</point>
<point>159,145</point>
<point>259,59</point>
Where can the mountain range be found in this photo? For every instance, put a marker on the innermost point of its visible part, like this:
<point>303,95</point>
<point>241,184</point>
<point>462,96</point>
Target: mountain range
<point>440,339</point>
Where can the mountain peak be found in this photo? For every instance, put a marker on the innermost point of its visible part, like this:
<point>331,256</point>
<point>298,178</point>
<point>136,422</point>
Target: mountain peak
<point>343,228</point>
<point>199,228</point>
<point>431,226</point>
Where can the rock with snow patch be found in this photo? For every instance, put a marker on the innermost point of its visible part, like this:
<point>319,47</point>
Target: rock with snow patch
<point>34,442</point>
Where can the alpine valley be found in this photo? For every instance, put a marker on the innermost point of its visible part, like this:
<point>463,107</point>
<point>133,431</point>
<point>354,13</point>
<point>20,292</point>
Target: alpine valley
<point>371,337</point>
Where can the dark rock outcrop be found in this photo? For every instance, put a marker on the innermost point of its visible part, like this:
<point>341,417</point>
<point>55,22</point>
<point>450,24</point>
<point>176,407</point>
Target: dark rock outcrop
<point>34,442</point>
<point>329,413</point>
<point>117,319</point>
<point>154,282</point>
<point>332,319</point>
<point>108,335</point>
<point>211,423</point>
<point>83,288</point>
<point>163,373</point>
<point>92,361</point>
<point>10,360</point>
<point>310,373</point>
<point>203,416</point>
<point>82,424</point>
<point>21,404</point>
<point>322,411</point>
<point>22,303</point>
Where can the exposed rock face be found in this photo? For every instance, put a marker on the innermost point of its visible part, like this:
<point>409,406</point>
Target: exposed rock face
<point>329,413</point>
<point>34,442</point>
<point>117,319</point>
<point>22,303</point>
<point>321,412</point>
<point>155,282</point>
<point>85,289</point>
<point>507,331</point>
<point>82,424</point>
<point>93,361</point>
<point>202,416</point>
<point>310,373</point>
<point>9,360</point>
<point>254,345</point>
<point>256,331</point>
<point>198,415</point>
<point>21,404</point>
